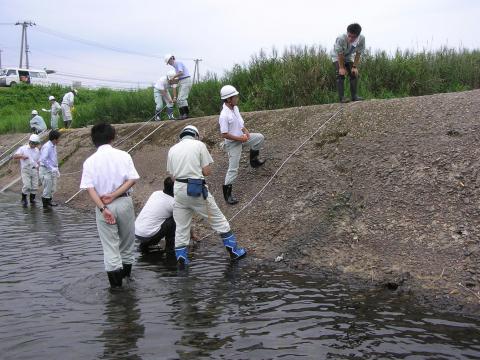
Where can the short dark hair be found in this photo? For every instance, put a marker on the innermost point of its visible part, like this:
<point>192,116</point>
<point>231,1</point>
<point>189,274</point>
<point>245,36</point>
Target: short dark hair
<point>53,135</point>
<point>354,29</point>
<point>102,134</point>
<point>168,186</point>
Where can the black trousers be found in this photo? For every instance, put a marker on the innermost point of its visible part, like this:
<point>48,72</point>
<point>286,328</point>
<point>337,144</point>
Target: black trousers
<point>167,231</point>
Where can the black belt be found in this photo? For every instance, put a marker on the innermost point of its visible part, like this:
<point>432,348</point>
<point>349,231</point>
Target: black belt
<point>186,181</point>
<point>186,77</point>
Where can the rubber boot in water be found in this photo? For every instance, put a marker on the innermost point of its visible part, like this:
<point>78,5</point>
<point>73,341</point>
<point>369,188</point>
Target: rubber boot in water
<point>51,202</point>
<point>127,270</point>
<point>32,199</point>
<point>45,202</point>
<point>115,278</point>
<point>230,243</point>
<point>182,256</point>
<point>254,162</point>
<point>24,200</point>
<point>227,195</point>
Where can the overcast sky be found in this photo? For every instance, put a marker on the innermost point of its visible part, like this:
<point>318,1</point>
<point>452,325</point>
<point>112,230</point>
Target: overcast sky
<point>221,33</point>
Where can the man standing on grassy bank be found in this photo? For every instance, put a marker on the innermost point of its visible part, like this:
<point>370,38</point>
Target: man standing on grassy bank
<point>54,112</point>
<point>67,105</point>
<point>107,176</point>
<point>29,156</point>
<point>184,85</point>
<point>236,135</point>
<point>346,56</point>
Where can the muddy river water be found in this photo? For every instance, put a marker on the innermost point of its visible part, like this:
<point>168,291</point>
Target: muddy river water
<point>55,304</point>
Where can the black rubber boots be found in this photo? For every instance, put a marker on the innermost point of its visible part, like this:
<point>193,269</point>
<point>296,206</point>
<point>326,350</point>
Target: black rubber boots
<point>227,195</point>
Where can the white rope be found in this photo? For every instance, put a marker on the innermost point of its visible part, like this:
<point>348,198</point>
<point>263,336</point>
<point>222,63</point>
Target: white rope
<point>128,151</point>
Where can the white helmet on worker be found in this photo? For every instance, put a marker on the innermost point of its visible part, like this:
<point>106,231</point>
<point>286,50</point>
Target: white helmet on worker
<point>51,97</point>
<point>34,112</point>
<point>171,74</point>
<point>190,130</point>
<point>167,58</point>
<point>34,138</point>
<point>227,92</point>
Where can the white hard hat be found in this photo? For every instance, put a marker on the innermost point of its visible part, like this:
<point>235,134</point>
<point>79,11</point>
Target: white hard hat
<point>51,97</point>
<point>167,58</point>
<point>189,130</point>
<point>34,112</point>
<point>171,74</point>
<point>227,92</point>
<point>34,138</point>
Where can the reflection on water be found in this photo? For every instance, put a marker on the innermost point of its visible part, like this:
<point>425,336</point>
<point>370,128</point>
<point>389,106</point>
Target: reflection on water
<point>55,304</point>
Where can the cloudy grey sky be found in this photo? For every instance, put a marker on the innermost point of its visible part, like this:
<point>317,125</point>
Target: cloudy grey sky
<point>74,37</point>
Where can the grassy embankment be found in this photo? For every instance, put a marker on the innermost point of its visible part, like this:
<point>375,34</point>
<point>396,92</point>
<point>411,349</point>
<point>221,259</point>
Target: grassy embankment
<point>301,76</point>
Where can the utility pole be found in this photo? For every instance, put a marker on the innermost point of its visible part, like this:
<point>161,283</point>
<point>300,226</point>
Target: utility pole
<point>196,71</point>
<point>24,24</point>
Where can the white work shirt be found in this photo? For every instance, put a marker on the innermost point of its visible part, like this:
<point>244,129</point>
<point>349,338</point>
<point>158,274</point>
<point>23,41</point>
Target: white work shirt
<point>38,123</point>
<point>68,99</point>
<point>163,84</point>
<point>33,156</point>
<point>107,169</point>
<point>187,158</point>
<point>48,156</point>
<point>158,208</point>
<point>55,109</point>
<point>231,122</point>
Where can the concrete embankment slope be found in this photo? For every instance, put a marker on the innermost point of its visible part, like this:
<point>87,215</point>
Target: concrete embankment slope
<point>386,192</point>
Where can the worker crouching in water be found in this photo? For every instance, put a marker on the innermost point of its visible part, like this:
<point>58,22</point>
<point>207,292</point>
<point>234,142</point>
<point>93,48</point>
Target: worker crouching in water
<point>29,156</point>
<point>107,176</point>
<point>189,163</point>
<point>236,135</point>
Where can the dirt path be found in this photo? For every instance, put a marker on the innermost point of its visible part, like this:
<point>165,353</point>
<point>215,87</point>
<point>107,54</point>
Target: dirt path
<point>386,194</point>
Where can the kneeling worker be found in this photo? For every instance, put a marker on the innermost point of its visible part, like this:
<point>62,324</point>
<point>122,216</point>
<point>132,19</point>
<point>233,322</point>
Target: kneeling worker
<point>189,163</point>
<point>155,221</point>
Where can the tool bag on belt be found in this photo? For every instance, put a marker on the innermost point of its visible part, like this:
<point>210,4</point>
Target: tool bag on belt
<point>197,187</point>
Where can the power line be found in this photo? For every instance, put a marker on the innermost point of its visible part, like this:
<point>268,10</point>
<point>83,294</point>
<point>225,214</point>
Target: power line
<point>94,43</point>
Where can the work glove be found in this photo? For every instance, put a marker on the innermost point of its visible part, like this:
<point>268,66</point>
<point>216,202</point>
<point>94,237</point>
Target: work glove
<point>44,110</point>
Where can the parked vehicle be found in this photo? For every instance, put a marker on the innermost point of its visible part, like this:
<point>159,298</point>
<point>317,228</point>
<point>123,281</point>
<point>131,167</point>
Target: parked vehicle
<point>13,76</point>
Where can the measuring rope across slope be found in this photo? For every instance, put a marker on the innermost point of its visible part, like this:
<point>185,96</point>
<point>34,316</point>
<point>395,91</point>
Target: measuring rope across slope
<point>128,151</point>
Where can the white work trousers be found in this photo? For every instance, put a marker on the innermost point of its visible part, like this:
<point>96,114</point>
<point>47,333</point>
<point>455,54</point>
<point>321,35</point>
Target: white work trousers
<point>29,179</point>
<point>54,121</point>
<point>159,99</point>
<point>118,240</point>
<point>184,208</point>
<point>49,182</point>
<point>184,87</point>
<point>66,112</point>
<point>234,151</point>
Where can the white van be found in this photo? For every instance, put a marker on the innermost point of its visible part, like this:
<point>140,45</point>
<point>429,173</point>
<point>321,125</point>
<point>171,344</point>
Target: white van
<point>13,76</point>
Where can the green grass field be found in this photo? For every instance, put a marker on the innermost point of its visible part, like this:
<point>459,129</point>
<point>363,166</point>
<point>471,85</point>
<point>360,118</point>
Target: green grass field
<point>299,76</point>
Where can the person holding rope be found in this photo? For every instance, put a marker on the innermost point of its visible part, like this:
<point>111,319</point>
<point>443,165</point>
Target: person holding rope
<point>49,172</point>
<point>29,156</point>
<point>161,93</point>
<point>233,130</point>
<point>188,163</point>
<point>346,56</point>
<point>107,176</point>
<point>184,85</point>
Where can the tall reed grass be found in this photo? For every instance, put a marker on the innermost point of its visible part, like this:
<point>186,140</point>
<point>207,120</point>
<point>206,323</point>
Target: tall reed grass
<point>297,77</point>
